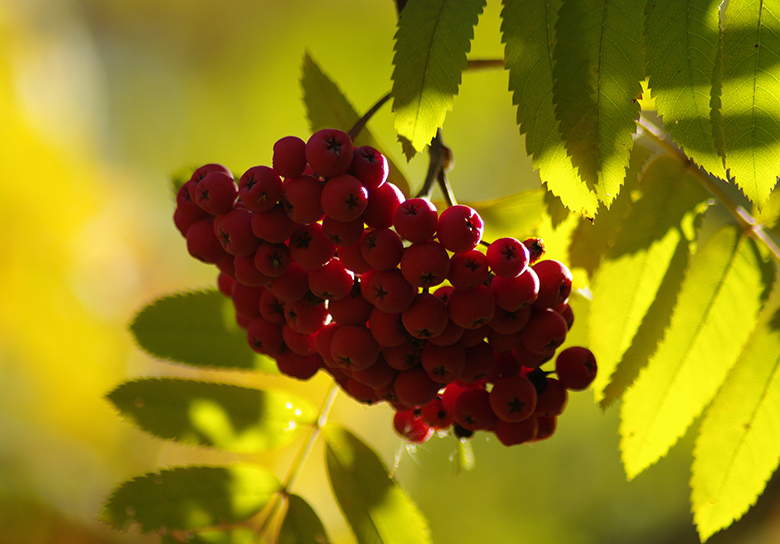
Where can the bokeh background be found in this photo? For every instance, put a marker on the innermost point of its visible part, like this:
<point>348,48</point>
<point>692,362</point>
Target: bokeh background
<point>101,102</point>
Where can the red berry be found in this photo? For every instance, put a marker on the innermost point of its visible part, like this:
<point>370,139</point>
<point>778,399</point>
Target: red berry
<point>234,231</point>
<point>426,317</point>
<point>382,203</point>
<point>512,434</point>
<point>301,197</point>
<point>576,368</point>
<point>414,387</point>
<point>354,348</point>
<point>444,364</point>
<point>546,330</point>
<point>273,225</point>
<point>425,264</point>
<point>329,152</point>
<point>203,244</point>
<point>344,198</point>
<point>554,283</point>
<point>217,193</point>
<point>468,270</point>
<point>382,248</point>
<point>460,228</point>
<point>511,294</point>
<point>309,247</point>
<point>507,257</point>
<point>390,292</point>
<point>471,309</point>
<point>273,260</point>
<point>260,188</point>
<point>289,158</point>
<point>513,398</point>
<point>473,411</point>
<point>369,166</point>
<point>332,281</point>
<point>416,219</point>
<point>411,426</point>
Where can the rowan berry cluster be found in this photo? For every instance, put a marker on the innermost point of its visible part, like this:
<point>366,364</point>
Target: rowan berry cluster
<point>330,267</point>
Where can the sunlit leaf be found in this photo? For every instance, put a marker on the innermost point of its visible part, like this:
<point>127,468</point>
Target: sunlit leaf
<point>376,508</point>
<point>591,240</point>
<point>191,498</point>
<point>508,216</point>
<point>327,107</point>
<point>431,43</point>
<point>527,32</point>
<point>715,313</point>
<point>301,524</point>
<point>751,95</point>
<point>598,72</point>
<point>210,414</point>
<point>199,329</point>
<point>738,447</point>
<point>682,40</point>
<point>628,280</point>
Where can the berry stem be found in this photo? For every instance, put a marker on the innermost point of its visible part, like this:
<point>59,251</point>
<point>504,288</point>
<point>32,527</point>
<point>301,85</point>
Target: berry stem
<point>440,163</point>
<point>357,127</point>
<point>300,459</point>
<point>753,228</point>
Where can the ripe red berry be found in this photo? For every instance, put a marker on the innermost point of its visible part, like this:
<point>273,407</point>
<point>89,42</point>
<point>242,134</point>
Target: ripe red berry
<point>332,281</point>
<point>416,219</point>
<point>468,269</point>
<point>471,309</point>
<point>425,264</point>
<point>552,401</point>
<point>511,294</point>
<point>264,337</point>
<point>554,283</point>
<point>259,188</point>
<point>217,193</point>
<point>329,152</point>
<point>203,244</point>
<point>309,247</point>
<point>273,225</point>
<point>414,387</point>
<point>289,158</point>
<point>460,228</point>
<point>473,411</point>
<point>234,231</point>
<point>344,198</point>
<point>382,203</point>
<point>427,316</point>
<point>382,248</point>
<point>369,166</point>
<point>546,330</point>
<point>272,260</point>
<point>201,173</point>
<point>512,434</point>
<point>507,257</point>
<point>444,364</point>
<point>301,197</point>
<point>390,292</point>
<point>411,426</point>
<point>576,368</point>
<point>513,398</point>
<point>353,347</point>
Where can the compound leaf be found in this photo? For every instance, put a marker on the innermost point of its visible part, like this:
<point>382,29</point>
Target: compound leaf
<point>521,212</point>
<point>327,107</point>
<point>376,508</point>
<point>738,446</point>
<point>715,313</point>
<point>301,523</point>
<point>223,416</point>
<point>199,329</point>
<point>431,44</point>
<point>598,72</point>
<point>527,32</point>
<point>751,95</point>
<point>682,40</point>
<point>191,498</point>
<point>627,282</point>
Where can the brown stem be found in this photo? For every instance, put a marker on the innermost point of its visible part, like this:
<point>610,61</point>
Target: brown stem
<point>484,64</point>
<point>361,123</point>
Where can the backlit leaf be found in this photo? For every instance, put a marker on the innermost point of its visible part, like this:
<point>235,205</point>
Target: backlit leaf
<point>191,498</point>
<point>715,313</point>
<point>590,241</point>
<point>431,43</point>
<point>738,446</point>
<point>682,40</point>
<point>527,32</point>
<point>199,329</point>
<point>301,524</point>
<point>628,280</point>
<point>376,508</point>
<point>508,216</point>
<point>231,536</point>
<point>751,95</point>
<point>598,72</point>
<point>210,414</point>
<point>327,107</point>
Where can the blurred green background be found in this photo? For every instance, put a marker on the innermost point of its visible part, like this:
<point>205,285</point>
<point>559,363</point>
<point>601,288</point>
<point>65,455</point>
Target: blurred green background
<point>100,102</point>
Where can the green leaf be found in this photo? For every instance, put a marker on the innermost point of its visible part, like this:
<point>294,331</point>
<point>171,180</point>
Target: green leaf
<point>327,107</point>
<point>209,414</point>
<point>191,498</point>
<point>376,508</point>
<point>521,212</point>
<point>431,43</point>
<point>199,329</point>
<point>598,72</point>
<point>301,524</point>
<point>738,446</point>
<point>751,96</point>
<point>527,32</point>
<point>628,280</point>
<point>715,313</point>
<point>682,40</point>
<point>590,241</point>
